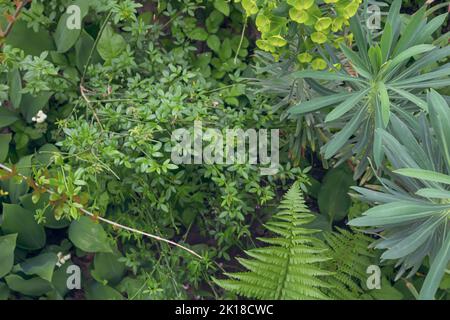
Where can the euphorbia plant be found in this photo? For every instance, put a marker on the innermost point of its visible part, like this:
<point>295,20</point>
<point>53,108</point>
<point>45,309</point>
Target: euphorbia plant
<point>414,209</point>
<point>392,75</point>
<point>309,23</point>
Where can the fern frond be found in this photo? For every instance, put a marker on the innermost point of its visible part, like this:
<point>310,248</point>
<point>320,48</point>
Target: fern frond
<point>351,256</point>
<point>290,266</point>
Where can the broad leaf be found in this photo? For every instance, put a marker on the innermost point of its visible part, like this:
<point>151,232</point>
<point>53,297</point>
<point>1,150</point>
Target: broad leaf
<point>65,37</point>
<point>42,265</point>
<point>333,199</point>
<point>31,236</point>
<point>7,247</point>
<point>15,87</point>
<point>89,236</point>
<point>108,268</point>
<point>111,44</point>
<point>7,117</point>
<point>33,287</point>
<point>5,139</point>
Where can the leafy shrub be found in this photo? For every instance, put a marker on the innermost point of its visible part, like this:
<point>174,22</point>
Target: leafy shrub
<point>86,123</point>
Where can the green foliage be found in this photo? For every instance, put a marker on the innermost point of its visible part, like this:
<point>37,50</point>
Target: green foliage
<point>7,246</point>
<point>289,268</point>
<point>413,209</point>
<point>89,236</point>
<point>350,258</point>
<point>86,123</point>
<point>310,23</point>
<point>89,121</point>
<point>333,198</point>
<point>392,75</point>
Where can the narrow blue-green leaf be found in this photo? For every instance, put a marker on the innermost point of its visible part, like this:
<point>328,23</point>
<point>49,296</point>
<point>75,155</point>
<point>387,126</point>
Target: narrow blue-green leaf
<point>318,103</point>
<point>425,61</point>
<point>378,152</point>
<point>316,86</point>
<point>411,97</point>
<point>414,25</point>
<point>346,105</point>
<point>376,196</point>
<point>433,193</point>
<point>428,84</point>
<point>424,175</point>
<point>443,71</point>
<point>412,242</point>
<point>356,61</point>
<point>385,104</point>
<point>360,38</point>
<point>386,42</point>
<point>321,75</point>
<point>432,26</point>
<point>394,12</point>
<point>410,52</point>
<point>396,212</point>
<point>335,144</point>
<point>436,271</point>
<point>440,120</point>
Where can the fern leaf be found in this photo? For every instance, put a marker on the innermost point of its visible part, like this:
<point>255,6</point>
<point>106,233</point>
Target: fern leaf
<point>350,259</point>
<point>290,266</point>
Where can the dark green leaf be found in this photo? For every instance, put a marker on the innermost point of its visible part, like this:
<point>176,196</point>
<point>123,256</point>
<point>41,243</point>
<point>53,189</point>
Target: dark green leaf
<point>89,236</point>
<point>222,6</point>
<point>111,44</point>
<point>108,268</point>
<point>97,291</point>
<point>213,43</point>
<point>7,247</point>
<point>32,43</point>
<point>333,199</point>
<point>7,117</point>
<point>15,87</point>
<point>42,265</point>
<point>5,139</point>
<point>34,287</point>
<point>31,236</point>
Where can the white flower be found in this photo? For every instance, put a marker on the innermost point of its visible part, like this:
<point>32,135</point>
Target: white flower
<point>40,117</point>
<point>62,259</point>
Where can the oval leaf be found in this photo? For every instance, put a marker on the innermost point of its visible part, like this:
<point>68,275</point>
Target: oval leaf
<point>89,236</point>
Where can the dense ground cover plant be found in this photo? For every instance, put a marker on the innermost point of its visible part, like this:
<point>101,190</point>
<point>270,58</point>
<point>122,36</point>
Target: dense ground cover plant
<point>113,148</point>
<point>86,123</point>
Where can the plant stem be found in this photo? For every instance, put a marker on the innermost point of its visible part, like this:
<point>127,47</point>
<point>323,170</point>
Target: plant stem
<point>118,225</point>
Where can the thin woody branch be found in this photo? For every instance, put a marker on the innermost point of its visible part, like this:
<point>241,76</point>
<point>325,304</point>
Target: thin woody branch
<point>115,224</point>
<point>12,19</point>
